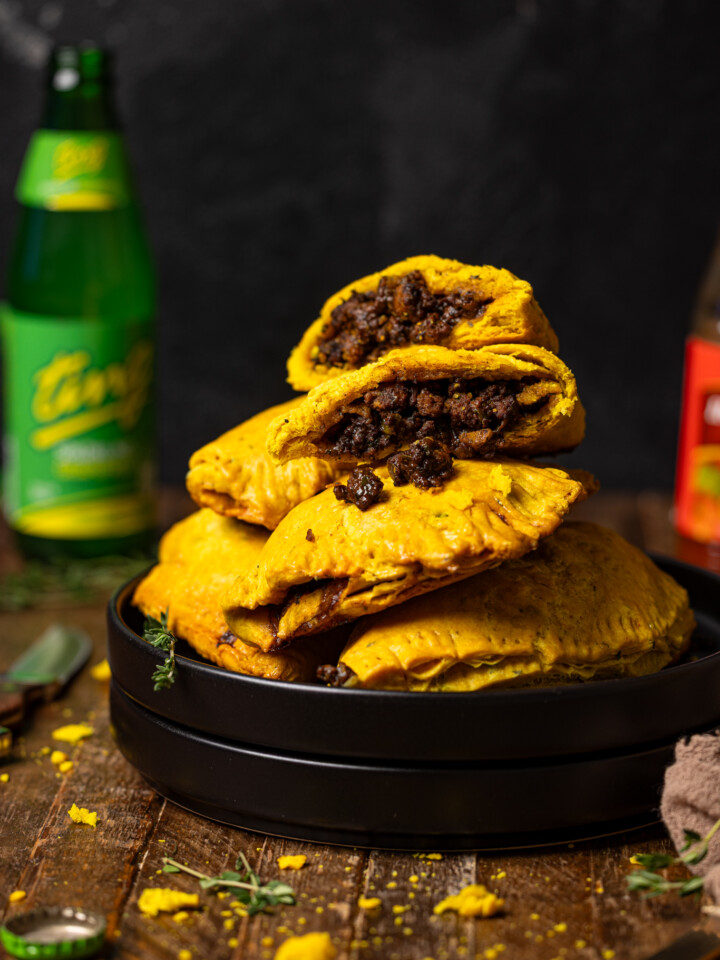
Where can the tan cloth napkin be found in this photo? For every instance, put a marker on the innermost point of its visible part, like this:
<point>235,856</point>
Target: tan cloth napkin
<point>691,800</point>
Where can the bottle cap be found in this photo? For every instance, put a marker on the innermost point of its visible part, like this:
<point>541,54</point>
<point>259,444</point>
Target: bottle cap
<point>48,933</point>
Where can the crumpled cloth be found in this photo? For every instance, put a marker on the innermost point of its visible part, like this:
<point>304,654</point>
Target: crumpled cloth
<point>691,800</point>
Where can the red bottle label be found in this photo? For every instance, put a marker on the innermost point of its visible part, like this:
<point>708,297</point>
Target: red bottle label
<point>697,482</point>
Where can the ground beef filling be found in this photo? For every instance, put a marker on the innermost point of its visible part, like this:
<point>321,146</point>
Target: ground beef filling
<point>467,416</point>
<point>363,487</point>
<point>401,311</point>
<point>332,591</point>
<point>335,676</point>
<point>426,463</point>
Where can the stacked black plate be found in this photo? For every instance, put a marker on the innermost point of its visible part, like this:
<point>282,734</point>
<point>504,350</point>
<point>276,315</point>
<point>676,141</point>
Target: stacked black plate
<point>412,770</point>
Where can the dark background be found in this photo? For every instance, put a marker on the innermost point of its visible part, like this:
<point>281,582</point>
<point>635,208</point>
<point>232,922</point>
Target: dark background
<point>286,147</point>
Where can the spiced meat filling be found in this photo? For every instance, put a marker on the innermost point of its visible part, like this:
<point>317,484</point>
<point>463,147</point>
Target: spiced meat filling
<point>426,463</point>
<point>335,676</point>
<point>363,487</point>
<point>468,417</point>
<point>331,591</point>
<point>401,311</point>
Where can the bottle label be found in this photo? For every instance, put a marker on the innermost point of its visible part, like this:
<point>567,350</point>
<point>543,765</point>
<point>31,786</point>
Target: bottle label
<point>697,482</point>
<point>78,441</point>
<point>70,170</point>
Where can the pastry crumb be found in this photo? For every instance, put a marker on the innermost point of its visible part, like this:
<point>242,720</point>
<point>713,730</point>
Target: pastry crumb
<point>472,901</point>
<point>82,815</point>
<point>296,862</point>
<point>73,732</point>
<point>155,900</point>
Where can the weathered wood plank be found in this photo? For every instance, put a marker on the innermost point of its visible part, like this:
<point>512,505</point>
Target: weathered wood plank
<point>658,535</point>
<point>80,865</point>
<point>633,926</point>
<point>324,888</point>
<point>408,888</point>
<point>612,509</point>
<point>27,797</point>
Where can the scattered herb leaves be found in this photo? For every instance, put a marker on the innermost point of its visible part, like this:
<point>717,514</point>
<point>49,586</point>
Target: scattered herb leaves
<point>243,881</point>
<point>156,632</point>
<point>651,883</point>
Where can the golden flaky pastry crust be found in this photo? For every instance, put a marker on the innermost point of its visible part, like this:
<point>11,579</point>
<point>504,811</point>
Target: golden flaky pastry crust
<point>234,475</point>
<point>558,424</point>
<point>586,605</point>
<point>199,559</point>
<point>514,315</point>
<point>409,542</point>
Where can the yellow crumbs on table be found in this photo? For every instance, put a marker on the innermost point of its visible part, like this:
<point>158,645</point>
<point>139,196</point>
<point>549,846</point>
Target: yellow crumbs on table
<point>154,900</point>
<point>369,903</point>
<point>472,901</point>
<point>4,777</point>
<point>73,732</point>
<point>82,815</point>
<point>292,862</point>
<point>311,946</point>
<point>16,896</point>
<point>184,955</point>
<point>101,671</point>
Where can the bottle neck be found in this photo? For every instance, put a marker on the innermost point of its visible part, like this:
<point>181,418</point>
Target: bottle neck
<point>88,106</point>
<point>79,89</point>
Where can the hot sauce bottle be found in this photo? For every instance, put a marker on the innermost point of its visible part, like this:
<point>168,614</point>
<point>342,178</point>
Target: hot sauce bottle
<point>697,481</point>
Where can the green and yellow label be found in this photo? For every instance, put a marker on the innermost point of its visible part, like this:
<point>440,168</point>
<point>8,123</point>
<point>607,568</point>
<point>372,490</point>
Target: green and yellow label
<point>78,426</point>
<point>70,170</point>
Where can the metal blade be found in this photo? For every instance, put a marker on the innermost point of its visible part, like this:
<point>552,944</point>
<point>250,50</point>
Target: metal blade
<point>56,656</point>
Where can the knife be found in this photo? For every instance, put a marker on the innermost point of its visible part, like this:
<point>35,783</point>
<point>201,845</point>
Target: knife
<point>693,945</point>
<point>40,673</point>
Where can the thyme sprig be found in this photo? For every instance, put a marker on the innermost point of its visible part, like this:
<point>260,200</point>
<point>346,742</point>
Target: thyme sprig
<point>243,880</point>
<point>651,883</point>
<point>156,632</point>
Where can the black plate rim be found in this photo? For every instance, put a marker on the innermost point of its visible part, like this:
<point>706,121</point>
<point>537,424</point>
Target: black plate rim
<point>304,798</point>
<point>562,720</point>
<point>570,691</point>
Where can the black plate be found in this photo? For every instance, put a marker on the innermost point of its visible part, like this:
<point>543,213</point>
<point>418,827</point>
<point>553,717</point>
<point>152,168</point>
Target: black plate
<point>412,806</point>
<point>501,725</point>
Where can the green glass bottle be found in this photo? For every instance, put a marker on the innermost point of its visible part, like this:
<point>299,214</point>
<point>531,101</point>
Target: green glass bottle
<point>77,331</point>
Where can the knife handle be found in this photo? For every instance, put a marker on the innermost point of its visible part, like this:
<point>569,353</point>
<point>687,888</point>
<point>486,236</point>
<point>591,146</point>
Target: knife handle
<point>12,705</point>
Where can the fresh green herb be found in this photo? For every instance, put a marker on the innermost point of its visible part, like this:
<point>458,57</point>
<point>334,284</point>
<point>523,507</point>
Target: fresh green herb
<point>54,583</point>
<point>652,884</point>
<point>243,880</point>
<point>156,632</point>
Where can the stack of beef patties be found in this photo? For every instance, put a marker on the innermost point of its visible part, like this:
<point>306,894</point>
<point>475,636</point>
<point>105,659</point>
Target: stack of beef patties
<point>391,528</point>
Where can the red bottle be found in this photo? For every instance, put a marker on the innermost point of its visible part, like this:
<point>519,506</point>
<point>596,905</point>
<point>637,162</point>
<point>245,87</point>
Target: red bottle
<point>697,480</point>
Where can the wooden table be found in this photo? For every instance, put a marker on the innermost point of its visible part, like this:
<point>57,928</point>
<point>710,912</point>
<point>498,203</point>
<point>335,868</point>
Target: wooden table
<point>566,901</point>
